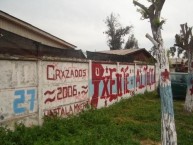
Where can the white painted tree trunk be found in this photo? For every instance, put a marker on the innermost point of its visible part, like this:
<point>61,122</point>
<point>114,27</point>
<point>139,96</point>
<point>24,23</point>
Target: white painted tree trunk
<point>153,13</point>
<point>189,93</point>
<point>169,136</point>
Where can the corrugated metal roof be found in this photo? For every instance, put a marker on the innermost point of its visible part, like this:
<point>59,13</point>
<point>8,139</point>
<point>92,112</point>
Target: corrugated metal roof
<point>121,51</point>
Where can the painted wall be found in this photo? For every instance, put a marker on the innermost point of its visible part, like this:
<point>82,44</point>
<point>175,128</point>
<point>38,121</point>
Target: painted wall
<point>110,83</point>
<point>30,90</point>
<point>64,88</point>
<point>18,92</point>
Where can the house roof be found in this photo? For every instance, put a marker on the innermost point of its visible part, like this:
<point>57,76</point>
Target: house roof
<point>34,29</point>
<point>122,51</point>
<point>122,55</point>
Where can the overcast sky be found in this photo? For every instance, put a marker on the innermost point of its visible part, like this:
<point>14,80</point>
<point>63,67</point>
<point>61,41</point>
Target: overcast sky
<point>81,22</point>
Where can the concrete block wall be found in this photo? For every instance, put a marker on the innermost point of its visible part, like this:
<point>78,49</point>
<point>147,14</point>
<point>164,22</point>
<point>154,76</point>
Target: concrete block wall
<point>32,89</point>
<point>18,92</point>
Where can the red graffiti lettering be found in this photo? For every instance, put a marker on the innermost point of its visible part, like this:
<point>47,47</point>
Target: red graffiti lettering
<point>67,110</point>
<point>97,73</point>
<point>105,92</point>
<point>61,93</point>
<point>119,86</point>
<point>103,76</point>
<point>139,79</point>
<point>54,73</point>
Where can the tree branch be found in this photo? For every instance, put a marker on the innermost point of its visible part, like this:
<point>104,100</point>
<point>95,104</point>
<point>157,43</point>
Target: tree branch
<point>161,23</point>
<point>152,40</point>
<point>160,4</point>
<point>141,6</point>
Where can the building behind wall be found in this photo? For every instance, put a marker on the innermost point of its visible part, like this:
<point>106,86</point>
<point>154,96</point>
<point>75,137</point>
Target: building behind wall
<point>123,55</point>
<point>37,79</point>
<point>19,38</point>
<point>26,30</point>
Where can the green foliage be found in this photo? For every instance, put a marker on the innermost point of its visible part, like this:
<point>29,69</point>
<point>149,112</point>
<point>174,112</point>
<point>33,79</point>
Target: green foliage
<point>183,41</point>
<point>115,32</point>
<point>131,121</point>
<point>156,22</point>
<point>131,42</point>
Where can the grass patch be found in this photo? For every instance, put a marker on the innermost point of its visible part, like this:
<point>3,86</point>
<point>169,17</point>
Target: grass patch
<point>133,121</point>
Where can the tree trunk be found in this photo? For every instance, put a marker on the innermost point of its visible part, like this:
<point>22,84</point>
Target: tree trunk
<point>189,93</point>
<point>153,13</point>
<point>169,136</point>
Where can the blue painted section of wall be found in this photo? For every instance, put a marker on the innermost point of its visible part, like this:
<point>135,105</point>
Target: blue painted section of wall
<point>18,101</point>
<point>101,85</point>
<point>91,88</point>
<point>32,99</point>
<point>21,97</point>
<point>131,84</point>
<point>166,100</point>
<point>115,87</point>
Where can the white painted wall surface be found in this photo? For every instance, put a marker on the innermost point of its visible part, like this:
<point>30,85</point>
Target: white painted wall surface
<point>18,92</point>
<point>63,85</point>
<point>31,89</point>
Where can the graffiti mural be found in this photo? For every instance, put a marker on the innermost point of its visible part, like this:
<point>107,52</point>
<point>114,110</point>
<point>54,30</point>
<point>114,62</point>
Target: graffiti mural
<point>30,90</point>
<point>64,94</point>
<point>58,72</point>
<point>65,88</point>
<point>24,96</point>
<point>140,78</point>
<point>17,103</point>
<point>109,83</point>
<point>67,110</point>
<point>128,77</point>
<point>150,75</point>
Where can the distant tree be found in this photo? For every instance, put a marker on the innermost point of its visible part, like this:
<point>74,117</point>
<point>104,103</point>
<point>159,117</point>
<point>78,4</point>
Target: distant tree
<point>131,42</point>
<point>153,14</point>
<point>184,43</point>
<point>115,32</point>
<point>179,47</point>
<point>172,51</point>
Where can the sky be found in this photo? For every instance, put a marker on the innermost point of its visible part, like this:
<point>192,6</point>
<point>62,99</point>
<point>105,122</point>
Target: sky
<point>81,22</point>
